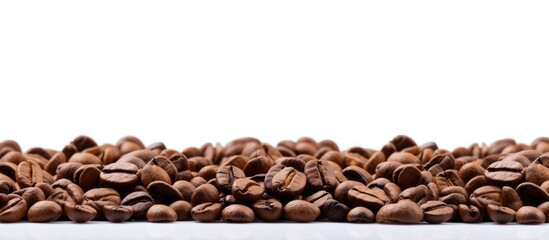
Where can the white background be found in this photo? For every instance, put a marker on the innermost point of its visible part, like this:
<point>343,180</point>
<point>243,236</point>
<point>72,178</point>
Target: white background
<point>189,72</point>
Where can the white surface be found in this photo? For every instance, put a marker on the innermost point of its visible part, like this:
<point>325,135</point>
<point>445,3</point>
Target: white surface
<point>357,72</point>
<point>289,231</point>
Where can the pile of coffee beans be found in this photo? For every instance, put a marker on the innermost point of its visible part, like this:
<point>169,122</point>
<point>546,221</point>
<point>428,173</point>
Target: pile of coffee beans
<point>247,180</point>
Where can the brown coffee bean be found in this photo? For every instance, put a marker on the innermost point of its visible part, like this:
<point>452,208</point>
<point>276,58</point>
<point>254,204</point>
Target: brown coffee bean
<point>341,191</point>
<point>531,194</point>
<point>79,213</point>
<point>29,173</point>
<point>237,213</point>
<point>140,202</point>
<point>87,177</point>
<point>117,214</point>
<point>205,193</point>
<point>386,169</point>
<point>470,170</point>
<point>373,197</point>
<point>226,175</point>
<point>183,210</point>
<point>536,173</point>
<point>119,176</point>
<point>486,195</point>
<point>436,212</point>
<point>163,193</point>
<point>335,211</point>
<point>360,215</point>
<point>247,190</point>
<point>530,215</point>
<point>258,165</point>
<point>544,207</point>
<point>206,212</point>
<point>319,198</point>
<point>301,211</point>
<point>32,195</point>
<point>98,198</point>
<point>510,198</point>
<point>44,211</point>
<point>504,173</point>
<point>185,188</point>
<point>419,194</point>
<point>288,183</point>
<point>402,141</point>
<point>268,210</point>
<point>448,178</point>
<point>442,161</point>
<point>67,170</point>
<point>470,214</point>
<point>407,176</point>
<point>500,214</point>
<point>402,212</point>
<point>12,209</point>
<point>161,213</point>
<point>320,175</point>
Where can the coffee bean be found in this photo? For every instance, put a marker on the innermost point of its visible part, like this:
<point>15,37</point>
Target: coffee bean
<point>258,165</point>
<point>205,193</point>
<point>119,176</point>
<point>117,214</point>
<point>79,213</point>
<point>183,210</point>
<point>402,212</point>
<point>403,158</point>
<point>247,190</point>
<point>32,195</point>
<point>288,183</point>
<point>504,173</point>
<point>436,212</point>
<point>12,209</point>
<point>360,215</point>
<point>29,173</point>
<point>486,195</point>
<point>185,188</point>
<point>470,214</point>
<point>341,191</point>
<point>544,207</point>
<point>419,194</point>
<point>163,193</point>
<point>206,212</point>
<point>530,215</point>
<point>335,211</point>
<point>140,202</point>
<point>226,175</point>
<point>98,198</point>
<point>301,211</point>
<point>531,194</point>
<point>406,176</point>
<point>510,198</point>
<point>44,211</point>
<point>161,213</point>
<point>320,175</point>
<point>500,214</point>
<point>268,210</point>
<point>237,213</point>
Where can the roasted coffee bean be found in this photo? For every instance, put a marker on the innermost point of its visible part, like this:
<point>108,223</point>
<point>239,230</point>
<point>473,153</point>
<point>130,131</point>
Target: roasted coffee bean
<point>288,183</point>
<point>320,175</point>
<point>206,212</point>
<point>98,198</point>
<point>87,177</point>
<point>85,158</point>
<point>183,210</point>
<point>386,169</point>
<point>237,213</point>
<point>500,214</point>
<point>403,158</point>
<point>341,191</point>
<point>29,173</point>
<point>402,212</point>
<point>119,176</point>
<point>436,212</point>
<point>12,209</point>
<point>79,213</point>
<point>373,197</point>
<point>407,176</point>
<point>161,213</point>
<point>531,194</point>
<point>470,214</point>
<point>185,188</point>
<point>335,211</point>
<point>257,165</point>
<point>510,198</point>
<point>268,210</point>
<point>319,198</point>
<point>301,211</point>
<point>360,215</point>
<point>163,193</point>
<point>226,175</point>
<point>419,194</point>
<point>486,195</point>
<point>140,202</point>
<point>544,207</point>
<point>32,195</point>
<point>504,173</point>
<point>117,214</point>
<point>530,215</point>
<point>247,190</point>
<point>205,193</point>
<point>67,170</point>
<point>448,178</point>
<point>44,211</point>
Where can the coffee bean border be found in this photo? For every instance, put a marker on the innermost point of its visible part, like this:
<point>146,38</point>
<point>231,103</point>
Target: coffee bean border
<point>248,180</point>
